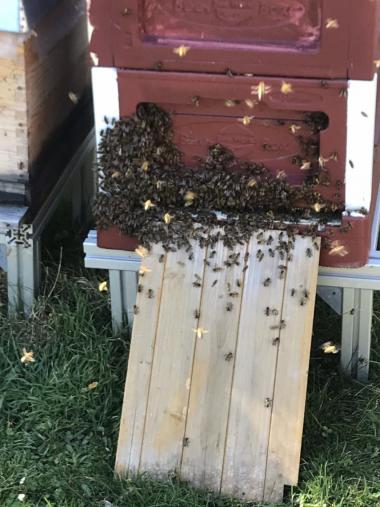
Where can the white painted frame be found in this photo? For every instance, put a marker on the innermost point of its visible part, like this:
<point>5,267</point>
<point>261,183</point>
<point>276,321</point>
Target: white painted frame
<point>106,97</point>
<point>361,119</point>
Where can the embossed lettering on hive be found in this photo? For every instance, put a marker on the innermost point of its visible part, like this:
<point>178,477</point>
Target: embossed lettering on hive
<point>239,9</point>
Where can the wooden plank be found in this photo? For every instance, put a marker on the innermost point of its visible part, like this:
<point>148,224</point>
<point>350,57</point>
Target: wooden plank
<point>292,371</point>
<point>218,396</point>
<point>210,390</point>
<point>172,365</point>
<point>139,364</point>
<point>13,107</point>
<point>252,389</point>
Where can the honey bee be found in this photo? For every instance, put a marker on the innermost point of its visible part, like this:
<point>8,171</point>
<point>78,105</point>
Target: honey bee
<point>186,442</point>
<point>136,310</point>
<point>214,283</point>
<point>293,292</point>
<point>150,294</point>
<point>161,258</point>
<point>280,326</point>
<point>229,307</point>
<point>267,282</point>
<point>228,356</point>
<point>286,88</point>
<point>260,255</point>
<point>233,294</point>
<point>309,252</point>
<point>140,288</point>
<point>197,314</point>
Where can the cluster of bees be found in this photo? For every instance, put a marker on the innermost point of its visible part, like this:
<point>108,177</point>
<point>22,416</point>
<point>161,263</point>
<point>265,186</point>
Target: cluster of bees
<point>147,191</point>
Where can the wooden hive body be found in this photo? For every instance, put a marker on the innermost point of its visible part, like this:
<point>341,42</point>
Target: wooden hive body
<point>43,80</point>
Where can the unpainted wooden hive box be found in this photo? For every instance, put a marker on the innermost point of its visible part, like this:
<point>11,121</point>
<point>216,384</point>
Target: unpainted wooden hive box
<point>45,109</point>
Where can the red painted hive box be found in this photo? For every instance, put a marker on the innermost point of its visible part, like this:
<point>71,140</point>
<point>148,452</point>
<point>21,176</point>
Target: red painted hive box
<point>299,38</point>
<point>261,120</point>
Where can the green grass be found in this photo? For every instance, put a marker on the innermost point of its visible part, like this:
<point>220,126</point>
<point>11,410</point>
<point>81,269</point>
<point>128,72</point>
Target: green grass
<point>61,436</point>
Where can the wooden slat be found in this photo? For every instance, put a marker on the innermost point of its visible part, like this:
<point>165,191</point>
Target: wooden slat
<point>13,106</point>
<point>252,389</point>
<point>292,371</point>
<point>206,426</point>
<point>140,364</point>
<point>172,365</point>
<point>224,409</point>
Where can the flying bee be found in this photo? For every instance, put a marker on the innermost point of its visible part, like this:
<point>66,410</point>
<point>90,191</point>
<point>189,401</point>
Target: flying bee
<point>196,100</point>
<point>351,164</point>
<point>267,282</point>
<point>229,307</point>
<point>150,294</point>
<point>136,310</point>
<point>197,314</point>
<point>309,252</point>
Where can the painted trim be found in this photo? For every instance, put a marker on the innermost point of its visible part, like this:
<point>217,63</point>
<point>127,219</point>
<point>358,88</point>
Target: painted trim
<point>361,117</point>
<point>10,15</point>
<point>106,97</point>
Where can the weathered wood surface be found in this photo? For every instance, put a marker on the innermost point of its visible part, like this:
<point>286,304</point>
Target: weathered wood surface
<point>217,375</point>
<point>43,74</point>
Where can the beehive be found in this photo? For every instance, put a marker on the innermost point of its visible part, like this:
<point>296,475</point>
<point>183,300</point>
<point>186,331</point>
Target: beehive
<point>44,76</point>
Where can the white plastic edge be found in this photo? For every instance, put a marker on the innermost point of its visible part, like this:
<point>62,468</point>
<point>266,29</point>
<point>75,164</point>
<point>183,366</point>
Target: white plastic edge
<point>106,97</point>
<point>361,117</point>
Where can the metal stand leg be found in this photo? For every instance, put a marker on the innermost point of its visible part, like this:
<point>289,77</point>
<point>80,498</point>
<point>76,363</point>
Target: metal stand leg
<point>116,289</point>
<point>129,280</point>
<point>23,272</point>
<point>123,287</point>
<point>364,335</point>
<point>356,332</point>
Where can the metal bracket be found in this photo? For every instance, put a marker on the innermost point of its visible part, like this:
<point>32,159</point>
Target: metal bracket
<point>20,236</point>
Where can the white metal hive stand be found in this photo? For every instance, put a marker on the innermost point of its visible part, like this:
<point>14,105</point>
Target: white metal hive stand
<point>348,291</point>
<point>20,237</point>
